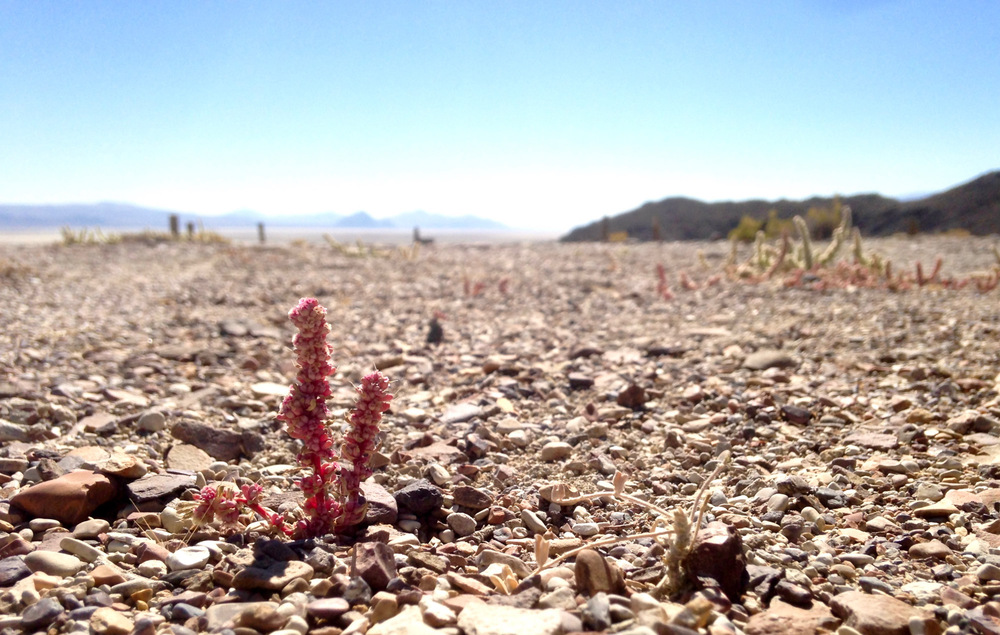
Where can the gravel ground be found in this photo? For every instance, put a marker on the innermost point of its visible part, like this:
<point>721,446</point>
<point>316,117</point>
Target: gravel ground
<point>860,425</point>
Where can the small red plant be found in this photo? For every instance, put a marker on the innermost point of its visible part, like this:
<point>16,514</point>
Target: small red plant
<point>925,280</point>
<point>333,497</point>
<point>686,282</point>
<point>662,287</point>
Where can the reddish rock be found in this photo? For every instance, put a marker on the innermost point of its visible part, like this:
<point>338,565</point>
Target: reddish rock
<point>375,564</point>
<point>633,397</point>
<point>717,554</point>
<point>382,508</point>
<point>880,614</point>
<point>70,499</point>
<point>472,498</point>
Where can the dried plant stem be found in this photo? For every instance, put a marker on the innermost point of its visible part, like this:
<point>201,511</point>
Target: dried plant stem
<point>602,543</point>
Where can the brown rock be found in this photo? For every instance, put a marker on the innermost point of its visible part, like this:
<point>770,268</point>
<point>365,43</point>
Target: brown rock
<point>880,614</point>
<point>717,554</point>
<point>941,509</point>
<point>106,574</point>
<point>262,617</point>
<point>107,621</point>
<point>784,619</point>
<point>123,465</point>
<point>14,545</point>
<point>764,359</point>
<point>382,508</point>
<point>595,574</point>
<point>467,584</point>
<point>375,564</point>
<point>70,499</point>
<point>985,619</point>
<point>472,498</point>
<point>930,549</point>
<point>633,397</point>
<point>99,423</point>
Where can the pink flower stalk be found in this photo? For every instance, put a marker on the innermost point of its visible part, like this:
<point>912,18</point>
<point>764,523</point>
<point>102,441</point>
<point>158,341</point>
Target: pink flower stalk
<point>359,444</point>
<point>333,494</point>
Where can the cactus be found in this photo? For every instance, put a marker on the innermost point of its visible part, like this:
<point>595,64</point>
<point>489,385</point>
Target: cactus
<point>803,231</point>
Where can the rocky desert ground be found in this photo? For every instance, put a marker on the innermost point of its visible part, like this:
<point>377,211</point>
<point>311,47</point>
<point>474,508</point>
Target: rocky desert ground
<point>852,432</point>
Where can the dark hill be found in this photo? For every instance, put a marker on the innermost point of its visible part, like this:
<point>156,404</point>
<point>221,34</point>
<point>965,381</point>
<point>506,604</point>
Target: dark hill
<point>973,206</point>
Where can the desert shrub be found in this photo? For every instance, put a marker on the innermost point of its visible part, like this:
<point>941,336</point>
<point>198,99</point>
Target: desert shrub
<point>746,231</point>
<point>777,227</point>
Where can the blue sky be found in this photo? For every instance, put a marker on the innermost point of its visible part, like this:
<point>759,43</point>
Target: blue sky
<point>543,115</point>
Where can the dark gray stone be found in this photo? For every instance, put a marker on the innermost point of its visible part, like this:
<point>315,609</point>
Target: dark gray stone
<point>39,615</point>
<point>419,497</point>
<point>13,569</point>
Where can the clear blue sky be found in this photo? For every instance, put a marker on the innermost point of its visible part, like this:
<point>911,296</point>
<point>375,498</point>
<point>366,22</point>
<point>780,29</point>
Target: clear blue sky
<point>541,114</point>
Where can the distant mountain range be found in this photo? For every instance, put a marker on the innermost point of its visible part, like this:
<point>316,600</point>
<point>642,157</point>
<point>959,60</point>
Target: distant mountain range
<point>121,216</point>
<point>972,206</point>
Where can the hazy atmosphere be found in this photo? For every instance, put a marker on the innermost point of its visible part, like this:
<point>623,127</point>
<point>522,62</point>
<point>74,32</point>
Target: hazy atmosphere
<point>538,115</point>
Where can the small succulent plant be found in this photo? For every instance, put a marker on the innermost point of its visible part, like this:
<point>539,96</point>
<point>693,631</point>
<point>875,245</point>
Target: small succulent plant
<point>332,488</point>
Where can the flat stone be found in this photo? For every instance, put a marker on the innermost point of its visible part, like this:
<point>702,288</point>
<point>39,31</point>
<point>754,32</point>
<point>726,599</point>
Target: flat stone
<point>188,558</point>
<point>784,619</point>
<point>556,451</point>
<point>108,621</point>
<point>122,464</point>
<point>12,569</point>
<point>269,389</point>
<point>100,423</point>
<point>930,549</point>
<point>408,621</point>
<point>942,508</point>
<point>327,608</point>
<point>10,431</point>
<point>82,550</point>
<point>880,614</point>
<point>460,413</point>
<point>273,577</point>
<point>471,497</point>
<point>487,619</point>
<point>70,498</point>
<point>764,359</point>
<point>183,456</point>
<point>218,616</point>
<point>91,528</point>
<point>579,381</point>
<point>873,440</point>
<point>262,618</point>
<point>54,563</point>
<point>107,574</point>
<point>155,486</point>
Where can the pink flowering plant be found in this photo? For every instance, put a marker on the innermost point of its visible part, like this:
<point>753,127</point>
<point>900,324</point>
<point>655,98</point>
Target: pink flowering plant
<point>332,488</point>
